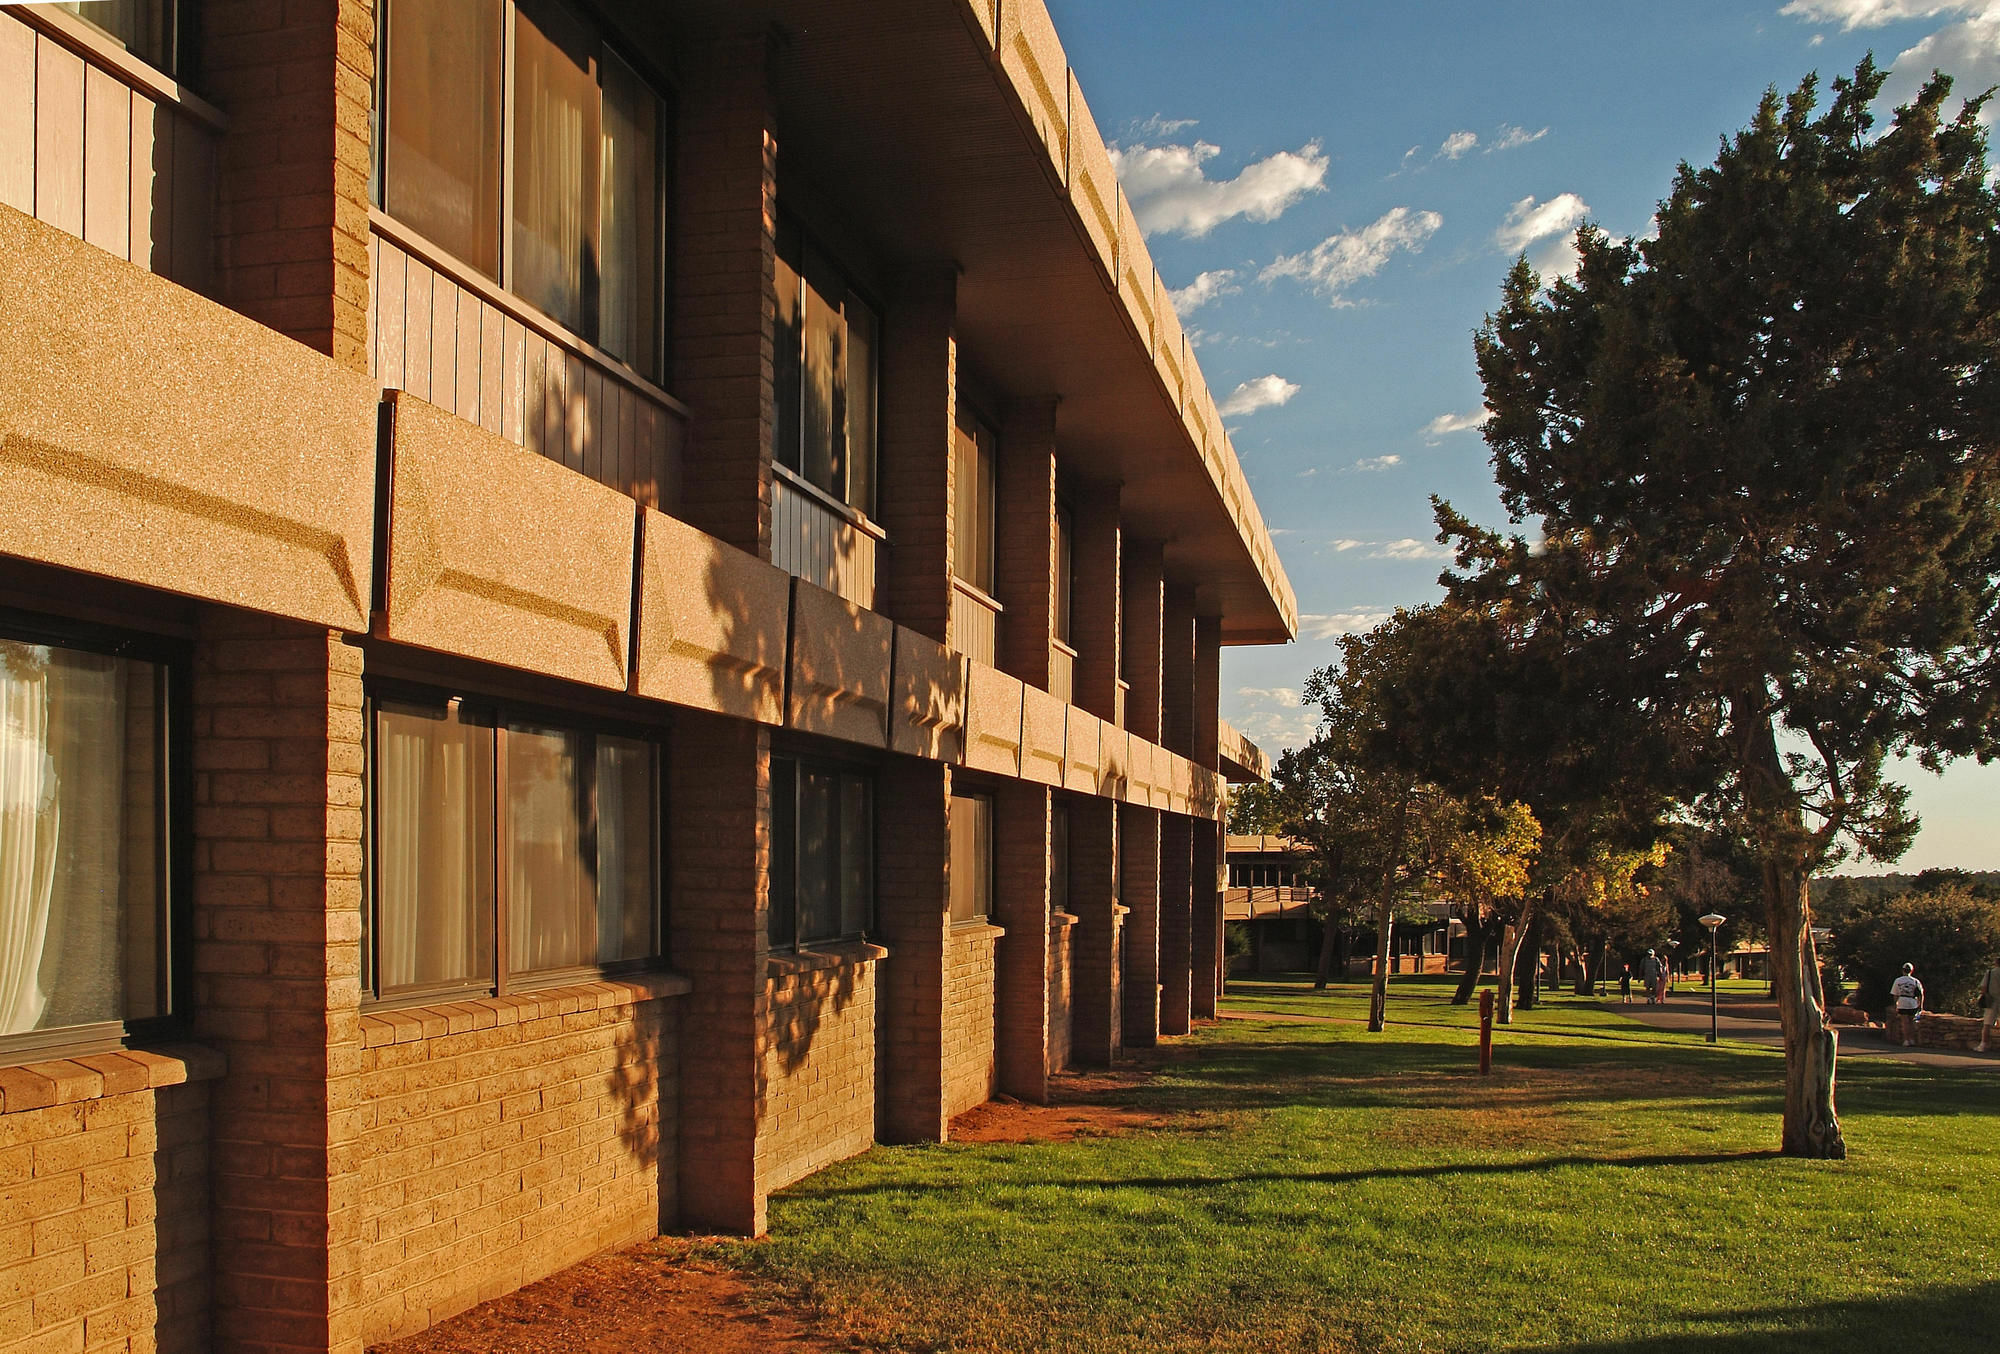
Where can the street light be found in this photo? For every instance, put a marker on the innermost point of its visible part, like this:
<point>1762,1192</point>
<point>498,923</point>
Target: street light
<point>1712,920</point>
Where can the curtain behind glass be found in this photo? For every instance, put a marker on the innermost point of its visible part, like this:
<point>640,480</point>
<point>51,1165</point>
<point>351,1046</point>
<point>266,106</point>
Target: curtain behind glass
<point>864,345</point>
<point>787,373</point>
<point>824,400</point>
<point>624,849</point>
<point>433,848</point>
<point>971,857</point>
<point>818,858</point>
<point>551,894</point>
<point>628,319</point>
<point>972,506</point>
<point>441,160</point>
<point>557,164</point>
<point>144,27</point>
<point>857,855</point>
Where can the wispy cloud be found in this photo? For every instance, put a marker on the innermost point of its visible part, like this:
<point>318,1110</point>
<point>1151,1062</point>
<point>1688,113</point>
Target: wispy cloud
<point>1171,192</point>
<point>1158,127</point>
<point>1350,256</point>
<point>1205,288</point>
<point>1529,220</point>
<point>1968,50</point>
<point>1457,144</point>
<point>1332,625</point>
<point>1853,14</point>
<point>1407,548</point>
<point>1264,392</point>
<point>1275,695</point>
<point>1369,463</point>
<point>1444,425</point>
<point>1511,137</point>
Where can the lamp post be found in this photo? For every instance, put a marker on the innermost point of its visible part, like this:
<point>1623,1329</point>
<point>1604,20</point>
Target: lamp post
<point>1712,920</point>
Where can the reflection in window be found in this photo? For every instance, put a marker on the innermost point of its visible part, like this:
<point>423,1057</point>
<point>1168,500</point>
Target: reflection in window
<point>828,347</point>
<point>971,857</point>
<point>973,506</point>
<point>822,853</point>
<point>442,63</point>
<point>148,29</point>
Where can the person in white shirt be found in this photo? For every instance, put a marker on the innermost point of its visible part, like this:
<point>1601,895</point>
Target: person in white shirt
<point>1989,1005</point>
<point>1909,995</point>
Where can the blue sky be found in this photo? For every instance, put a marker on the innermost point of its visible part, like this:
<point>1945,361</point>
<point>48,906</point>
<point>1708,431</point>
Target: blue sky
<point>1341,187</point>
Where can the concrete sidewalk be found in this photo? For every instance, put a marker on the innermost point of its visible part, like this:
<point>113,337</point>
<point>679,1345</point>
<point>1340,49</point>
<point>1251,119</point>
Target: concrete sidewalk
<point>1757,1022</point>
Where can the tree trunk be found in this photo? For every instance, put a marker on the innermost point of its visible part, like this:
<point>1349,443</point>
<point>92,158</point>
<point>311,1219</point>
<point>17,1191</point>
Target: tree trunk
<point>1811,1126</point>
<point>1510,955</point>
<point>1526,990</point>
<point>1477,942</point>
<point>1385,897</point>
<point>1326,951</point>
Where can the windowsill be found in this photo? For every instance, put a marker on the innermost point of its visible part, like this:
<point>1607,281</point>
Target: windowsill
<point>822,958</point>
<point>853,516</point>
<point>94,1076</point>
<point>1120,910</point>
<point>1061,921</point>
<point>103,51</point>
<point>1062,646</point>
<point>408,1024</point>
<point>979,928</point>
<point>979,595</point>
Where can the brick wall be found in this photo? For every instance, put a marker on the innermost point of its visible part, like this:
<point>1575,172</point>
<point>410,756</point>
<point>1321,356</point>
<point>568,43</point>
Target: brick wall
<point>1060,929</point>
<point>1177,685</point>
<point>912,910</point>
<point>104,1204</point>
<point>1176,920</point>
<point>505,1138</point>
<point>1025,550</point>
<point>1097,599</point>
<point>1205,967</point>
<point>919,419</point>
<point>970,1067</point>
<point>1139,840</point>
<point>1094,993</point>
<point>297,80</point>
<point>1145,592</point>
<point>1021,960</point>
<point>819,1066</point>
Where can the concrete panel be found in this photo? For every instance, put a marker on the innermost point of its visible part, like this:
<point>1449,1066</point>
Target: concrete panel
<point>1207,794</point>
<point>1138,283</point>
<point>1032,56</point>
<point>985,16</point>
<point>498,554</point>
<point>152,436</point>
<point>1083,751</point>
<point>1114,762</point>
<point>927,714</point>
<point>711,624</point>
<point>1169,345</point>
<point>840,667</point>
<point>1044,727</point>
<point>1093,184</point>
<point>1141,758</point>
<point>1193,398</point>
<point>993,721</point>
<point>1179,782</point>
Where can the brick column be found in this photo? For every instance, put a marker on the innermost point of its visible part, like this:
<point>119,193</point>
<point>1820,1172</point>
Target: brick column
<point>1206,968</point>
<point>1094,996</point>
<point>1096,603</point>
<point>1026,547</point>
<point>1145,595</point>
<point>1177,683</point>
<point>292,234</point>
<point>1021,905</point>
<point>725,255</point>
<point>913,915</point>
<point>1139,840</point>
<point>277,926</point>
<point>1176,920</point>
<point>1207,692</point>
<point>719,841</point>
<point>919,416</point>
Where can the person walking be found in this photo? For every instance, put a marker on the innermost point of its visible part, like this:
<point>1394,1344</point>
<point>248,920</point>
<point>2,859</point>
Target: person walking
<point>1989,1004</point>
<point>1650,970</point>
<point>1625,985</point>
<point>1909,995</point>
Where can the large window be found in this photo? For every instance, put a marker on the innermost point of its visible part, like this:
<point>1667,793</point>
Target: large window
<point>828,348</point>
<point>584,237</point>
<point>85,819</point>
<point>148,29</point>
<point>973,500</point>
<point>506,847</point>
<point>971,857</point>
<point>822,853</point>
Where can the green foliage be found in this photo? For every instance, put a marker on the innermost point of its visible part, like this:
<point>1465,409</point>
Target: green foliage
<point>1950,934</point>
<point>1256,809</point>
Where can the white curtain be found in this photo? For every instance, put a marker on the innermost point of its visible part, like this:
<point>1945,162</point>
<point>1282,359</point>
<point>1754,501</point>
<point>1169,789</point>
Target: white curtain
<point>30,828</point>
<point>433,776</point>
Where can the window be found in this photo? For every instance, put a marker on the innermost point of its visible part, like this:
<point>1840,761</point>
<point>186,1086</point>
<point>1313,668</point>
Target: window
<point>822,853</point>
<point>1059,858</point>
<point>86,819</point>
<point>506,846</point>
<point>1065,570</point>
<point>971,857</point>
<point>828,345</point>
<point>584,239</point>
<point>148,29</point>
<point>973,504</point>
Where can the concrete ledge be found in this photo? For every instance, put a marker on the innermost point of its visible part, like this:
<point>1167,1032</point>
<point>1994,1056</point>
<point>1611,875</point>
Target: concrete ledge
<point>711,633</point>
<point>150,435</point>
<point>408,1024</point>
<point>993,721</point>
<point>1115,763</point>
<point>93,1076</point>
<point>1093,186</point>
<point>927,714</point>
<point>976,930</point>
<point>499,554</point>
<point>1044,731</point>
<point>1138,281</point>
<point>839,668</point>
<point>823,958</point>
<point>1083,751</point>
<point>1032,57</point>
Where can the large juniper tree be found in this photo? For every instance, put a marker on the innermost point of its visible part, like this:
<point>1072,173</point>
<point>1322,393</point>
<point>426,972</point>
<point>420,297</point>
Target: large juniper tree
<point>1760,450</point>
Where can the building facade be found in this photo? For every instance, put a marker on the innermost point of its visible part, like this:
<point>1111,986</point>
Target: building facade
<point>601,605</point>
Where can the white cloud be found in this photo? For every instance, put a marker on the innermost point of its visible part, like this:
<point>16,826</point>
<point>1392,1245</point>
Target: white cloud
<point>1852,14</point>
<point>1410,548</point>
<point>1338,623</point>
<point>1368,463</point>
<point>1345,544</point>
<point>1171,192</point>
<point>1265,392</point>
<point>1158,126</point>
<point>1968,51</point>
<point>1457,144</point>
<point>1205,288</point>
<point>1528,220</point>
<point>1446,424</point>
<point>1341,260</point>
<point>1272,695</point>
<point>1512,137</point>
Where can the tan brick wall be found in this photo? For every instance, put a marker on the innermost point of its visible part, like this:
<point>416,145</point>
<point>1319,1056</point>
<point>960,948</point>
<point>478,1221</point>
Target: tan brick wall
<point>818,1069</point>
<point>1060,931</point>
<point>503,1139</point>
<point>1177,683</point>
<point>1097,603</point>
<point>1021,959</point>
<point>1176,920</point>
<point>918,417</point>
<point>104,1222</point>
<point>1205,967</point>
<point>1139,841</point>
<point>1093,941</point>
<point>1025,558</point>
<point>1144,596</point>
<point>967,1039</point>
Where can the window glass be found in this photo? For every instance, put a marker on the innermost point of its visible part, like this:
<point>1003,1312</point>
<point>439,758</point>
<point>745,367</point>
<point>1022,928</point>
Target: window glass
<point>819,859</point>
<point>828,348</point>
<point>629,217</point>
<point>822,853</point>
<point>823,404</point>
<point>972,506</point>
<point>789,339</point>
<point>433,867</point>
<point>148,29</point>
<point>82,813</point>
<point>783,922</point>
<point>971,857</point>
<point>864,346</point>
<point>551,902</point>
<point>441,157</point>
<point>625,833</point>
<point>556,164</point>
<point>857,855</point>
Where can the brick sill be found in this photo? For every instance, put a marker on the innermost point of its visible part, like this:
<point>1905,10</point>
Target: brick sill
<point>94,1076</point>
<point>976,930</point>
<point>408,1024</point>
<point>823,957</point>
<point>1061,921</point>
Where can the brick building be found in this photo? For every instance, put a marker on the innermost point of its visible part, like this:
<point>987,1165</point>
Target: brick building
<point>601,605</point>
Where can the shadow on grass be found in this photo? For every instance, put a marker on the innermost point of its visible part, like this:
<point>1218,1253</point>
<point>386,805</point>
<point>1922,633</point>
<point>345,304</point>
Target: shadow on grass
<point>1944,1318</point>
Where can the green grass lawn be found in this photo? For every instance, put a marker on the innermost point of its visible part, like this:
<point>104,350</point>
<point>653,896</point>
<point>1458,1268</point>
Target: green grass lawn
<point>1320,1188</point>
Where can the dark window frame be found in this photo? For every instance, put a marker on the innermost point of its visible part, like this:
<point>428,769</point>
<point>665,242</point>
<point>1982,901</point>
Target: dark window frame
<point>992,863</point>
<point>498,712</point>
<point>173,827</point>
<point>783,930</point>
<point>794,240</point>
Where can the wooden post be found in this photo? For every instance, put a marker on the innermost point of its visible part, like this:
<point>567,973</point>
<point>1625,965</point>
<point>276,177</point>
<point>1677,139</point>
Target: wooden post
<point>1486,1033</point>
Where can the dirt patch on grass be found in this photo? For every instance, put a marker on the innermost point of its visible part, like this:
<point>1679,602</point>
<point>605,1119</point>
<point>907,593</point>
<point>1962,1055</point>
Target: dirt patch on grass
<point>653,1297</point>
<point>1082,1104</point>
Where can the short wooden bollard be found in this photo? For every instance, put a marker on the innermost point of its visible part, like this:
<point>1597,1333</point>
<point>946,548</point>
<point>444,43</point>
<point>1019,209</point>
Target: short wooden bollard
<point>1486,1033</point>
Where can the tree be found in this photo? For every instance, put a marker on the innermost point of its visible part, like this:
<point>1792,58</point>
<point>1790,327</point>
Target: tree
<point>1763,454</point>
<point>1479,854</point>
<point>1950,934</point>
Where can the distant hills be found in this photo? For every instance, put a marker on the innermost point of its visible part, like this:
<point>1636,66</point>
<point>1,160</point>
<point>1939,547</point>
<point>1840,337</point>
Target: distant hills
<point>1834,895</point>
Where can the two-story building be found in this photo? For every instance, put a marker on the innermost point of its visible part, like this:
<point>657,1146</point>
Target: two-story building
<point>601,605</point>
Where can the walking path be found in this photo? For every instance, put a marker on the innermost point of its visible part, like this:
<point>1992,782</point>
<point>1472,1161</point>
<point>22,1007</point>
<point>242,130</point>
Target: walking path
<point>1756,1022</point>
